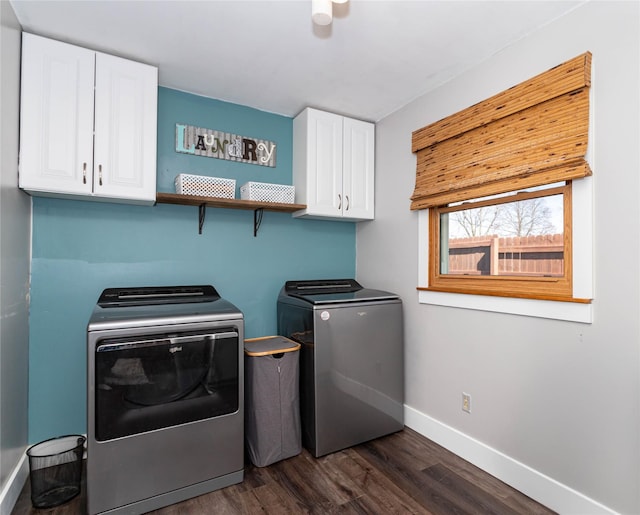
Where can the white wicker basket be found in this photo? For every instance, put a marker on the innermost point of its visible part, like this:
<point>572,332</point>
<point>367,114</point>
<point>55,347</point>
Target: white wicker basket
<point>204,186</point>
<point>265,192</point>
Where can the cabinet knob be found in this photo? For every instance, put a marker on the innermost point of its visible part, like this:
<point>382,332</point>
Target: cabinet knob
<point>84,173</point>
<point>100,175</point>
<point>339,201</point>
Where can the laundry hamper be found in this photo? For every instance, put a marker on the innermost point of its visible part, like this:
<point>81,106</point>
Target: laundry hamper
<point>272,401</point>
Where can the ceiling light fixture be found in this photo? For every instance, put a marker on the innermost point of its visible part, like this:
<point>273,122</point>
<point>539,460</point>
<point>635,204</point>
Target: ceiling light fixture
<point>322,11</point>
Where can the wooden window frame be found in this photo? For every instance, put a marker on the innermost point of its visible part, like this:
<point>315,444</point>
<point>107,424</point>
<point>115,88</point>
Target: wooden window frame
<point>528,287</point>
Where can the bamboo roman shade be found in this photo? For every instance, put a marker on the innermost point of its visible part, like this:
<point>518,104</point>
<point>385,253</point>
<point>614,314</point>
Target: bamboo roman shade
<point>532,134</point>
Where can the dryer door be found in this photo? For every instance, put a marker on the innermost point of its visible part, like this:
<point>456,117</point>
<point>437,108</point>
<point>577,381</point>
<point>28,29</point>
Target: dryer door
<point>164,380</point>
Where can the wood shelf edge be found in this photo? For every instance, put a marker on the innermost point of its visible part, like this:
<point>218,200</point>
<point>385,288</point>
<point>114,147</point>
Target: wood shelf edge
<point>228,203</point>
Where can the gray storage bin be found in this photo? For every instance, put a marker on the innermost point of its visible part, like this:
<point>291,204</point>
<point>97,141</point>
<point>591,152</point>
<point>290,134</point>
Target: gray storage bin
<point>272,400</point>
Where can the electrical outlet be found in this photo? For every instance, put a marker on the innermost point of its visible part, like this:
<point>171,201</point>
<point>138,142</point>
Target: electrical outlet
<point>466,402</point>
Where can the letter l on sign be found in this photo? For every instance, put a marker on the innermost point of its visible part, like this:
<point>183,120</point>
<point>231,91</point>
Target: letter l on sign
<point>180,142</point>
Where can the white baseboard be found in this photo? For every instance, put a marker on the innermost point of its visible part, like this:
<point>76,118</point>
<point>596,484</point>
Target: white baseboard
<point>530,482</point>
<point>13,486</point>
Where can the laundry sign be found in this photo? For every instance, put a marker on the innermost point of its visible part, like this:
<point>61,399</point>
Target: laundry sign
<point>223,145</point>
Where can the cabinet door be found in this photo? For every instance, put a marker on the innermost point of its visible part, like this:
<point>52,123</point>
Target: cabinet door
<point>324,164</point>
<point>125,129</point>
<point>358,170</point>
<point>56,117</point>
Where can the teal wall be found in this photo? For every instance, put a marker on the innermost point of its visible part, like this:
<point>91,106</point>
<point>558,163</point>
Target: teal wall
<point>80,248</point>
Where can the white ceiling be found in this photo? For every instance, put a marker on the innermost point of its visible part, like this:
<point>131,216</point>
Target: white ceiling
<point>376,57</point>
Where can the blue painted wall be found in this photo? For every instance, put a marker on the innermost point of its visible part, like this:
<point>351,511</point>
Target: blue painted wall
<point>80,248</point>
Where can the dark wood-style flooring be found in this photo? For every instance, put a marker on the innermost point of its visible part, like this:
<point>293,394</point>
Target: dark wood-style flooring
<point>398,474</point>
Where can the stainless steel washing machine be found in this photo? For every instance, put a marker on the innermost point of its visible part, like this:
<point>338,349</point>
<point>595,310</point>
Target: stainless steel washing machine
<point>351,361</point>
<point>165,397</point>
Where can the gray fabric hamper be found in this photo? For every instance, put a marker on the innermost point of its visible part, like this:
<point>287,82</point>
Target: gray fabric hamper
<point>272,399</point>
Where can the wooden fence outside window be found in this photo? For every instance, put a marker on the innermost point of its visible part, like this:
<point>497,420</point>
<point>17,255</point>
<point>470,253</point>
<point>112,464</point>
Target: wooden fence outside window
<point>511,256</point>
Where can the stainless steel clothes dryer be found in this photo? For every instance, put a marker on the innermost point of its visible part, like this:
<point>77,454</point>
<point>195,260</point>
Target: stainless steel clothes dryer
<point>351,361</point>
<point>165,397</point>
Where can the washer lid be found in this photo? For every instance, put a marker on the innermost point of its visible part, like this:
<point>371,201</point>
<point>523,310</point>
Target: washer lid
<point>322,286</point>
<point>334,291</point>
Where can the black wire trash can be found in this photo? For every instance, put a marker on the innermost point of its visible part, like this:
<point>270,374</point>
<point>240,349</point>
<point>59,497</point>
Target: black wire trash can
<point>272,399</point>
<point>55,470</point>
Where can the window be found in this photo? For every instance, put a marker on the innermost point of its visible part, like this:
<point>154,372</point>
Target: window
<point>514,244</point>
<point>495,188</point>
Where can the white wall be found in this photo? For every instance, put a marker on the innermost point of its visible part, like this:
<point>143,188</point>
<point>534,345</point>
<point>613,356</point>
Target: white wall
<point>15,224</point>
<point>560,399</point>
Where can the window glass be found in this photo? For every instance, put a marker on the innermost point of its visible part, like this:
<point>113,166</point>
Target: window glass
<point>506,238</point>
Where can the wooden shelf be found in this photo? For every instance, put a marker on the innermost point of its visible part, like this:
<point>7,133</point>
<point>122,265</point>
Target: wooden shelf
<point>227,203</point>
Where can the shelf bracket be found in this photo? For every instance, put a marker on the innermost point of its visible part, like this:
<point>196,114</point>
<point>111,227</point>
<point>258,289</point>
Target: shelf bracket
<point>202,211</point>
<point>257,220</point>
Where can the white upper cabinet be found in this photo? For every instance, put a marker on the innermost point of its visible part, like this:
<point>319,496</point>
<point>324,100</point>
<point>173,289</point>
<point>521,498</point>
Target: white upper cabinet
<point>333,166</point>
<point>88,124</point>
